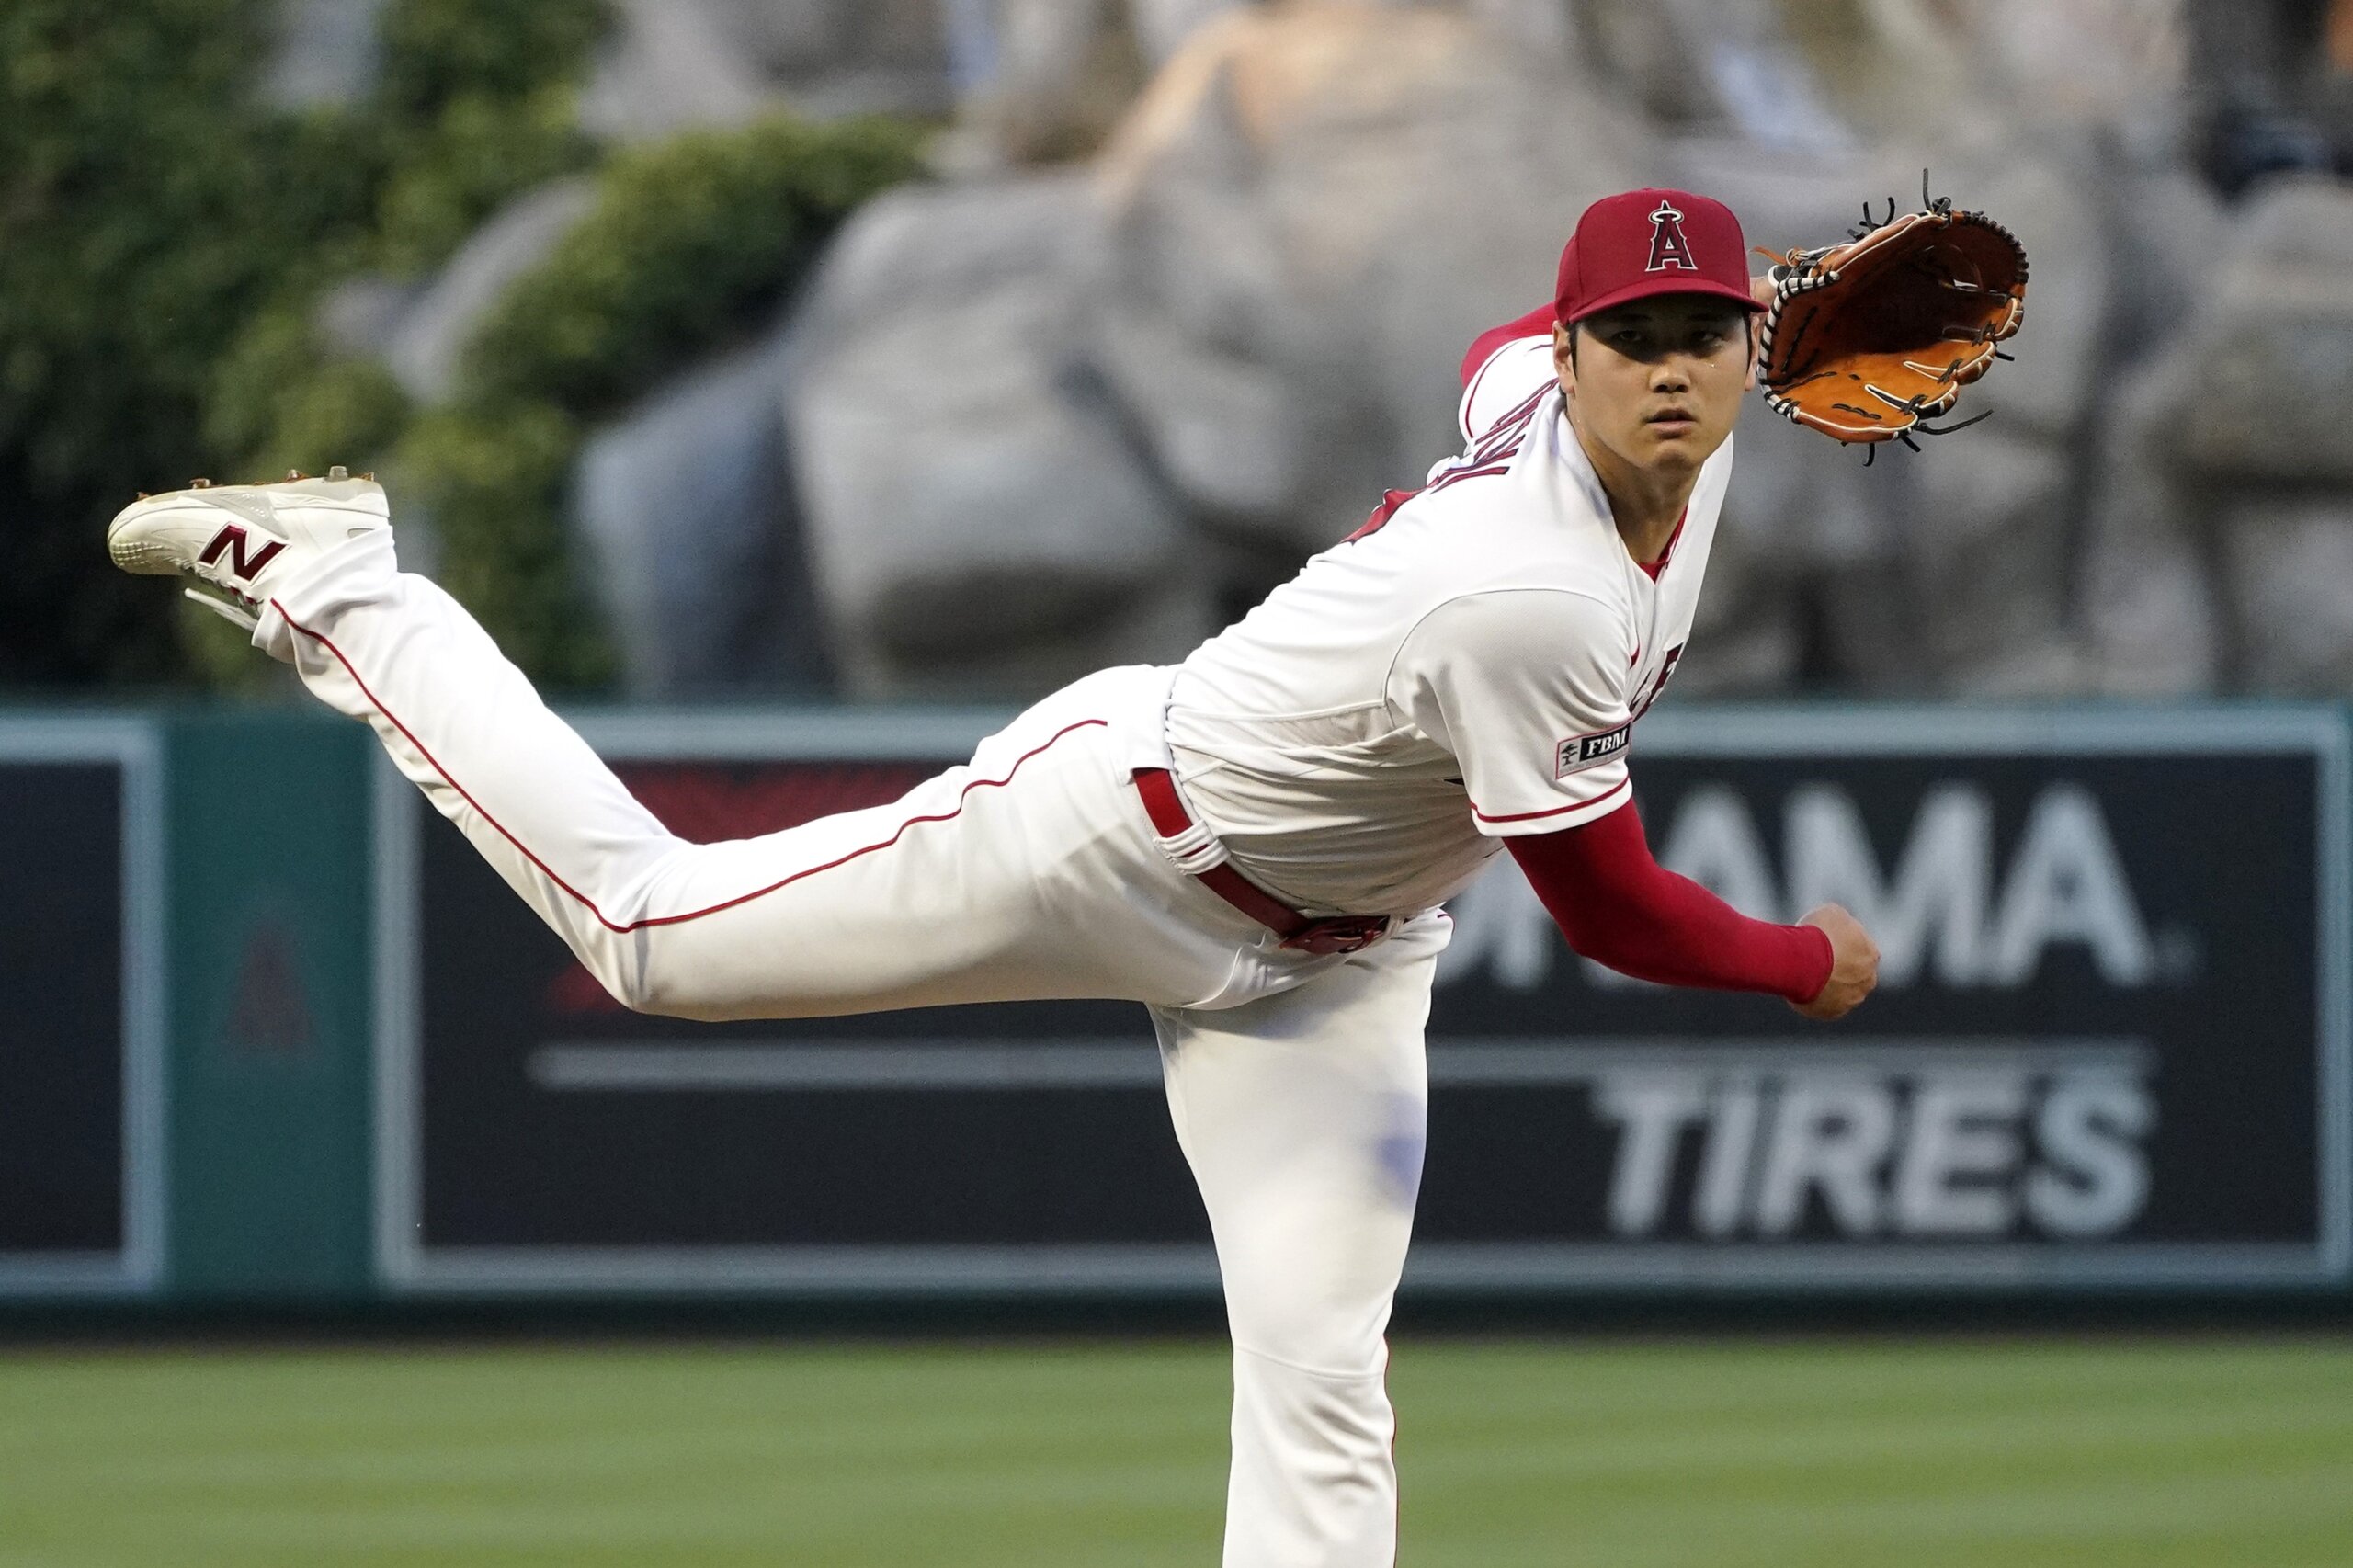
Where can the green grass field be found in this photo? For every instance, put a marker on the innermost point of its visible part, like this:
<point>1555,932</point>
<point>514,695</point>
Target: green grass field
<point>1927,1455</point>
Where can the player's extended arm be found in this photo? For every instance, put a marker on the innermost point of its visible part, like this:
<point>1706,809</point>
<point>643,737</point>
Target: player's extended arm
<point>1619,907</point>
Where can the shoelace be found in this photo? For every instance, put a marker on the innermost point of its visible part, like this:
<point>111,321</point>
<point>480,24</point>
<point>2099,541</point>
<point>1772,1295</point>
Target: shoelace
<point>243,620</point>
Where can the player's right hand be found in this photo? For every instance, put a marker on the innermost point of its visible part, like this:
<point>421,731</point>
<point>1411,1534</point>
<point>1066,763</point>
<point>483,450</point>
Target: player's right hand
<point>1854,964</point>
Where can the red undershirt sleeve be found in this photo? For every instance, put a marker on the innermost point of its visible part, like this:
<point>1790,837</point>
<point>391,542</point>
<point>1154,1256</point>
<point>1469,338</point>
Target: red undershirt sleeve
<point>1619,907</point>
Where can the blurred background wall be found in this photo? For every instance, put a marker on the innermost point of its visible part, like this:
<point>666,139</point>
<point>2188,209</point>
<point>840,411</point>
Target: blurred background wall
<point>951,347</point>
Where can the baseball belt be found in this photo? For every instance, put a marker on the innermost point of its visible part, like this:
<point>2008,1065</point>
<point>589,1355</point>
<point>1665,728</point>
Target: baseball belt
<point>1194,852</point>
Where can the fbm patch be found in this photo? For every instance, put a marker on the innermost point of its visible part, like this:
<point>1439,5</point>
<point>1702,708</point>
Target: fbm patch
<point>1584,751</point>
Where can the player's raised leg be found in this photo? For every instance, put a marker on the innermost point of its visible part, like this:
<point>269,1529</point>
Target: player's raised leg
<point>1312,1213</point>
<point>1027,873</point>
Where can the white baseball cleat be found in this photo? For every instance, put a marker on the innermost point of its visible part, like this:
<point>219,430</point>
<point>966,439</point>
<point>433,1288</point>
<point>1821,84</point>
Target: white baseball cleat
<point>244,538</point>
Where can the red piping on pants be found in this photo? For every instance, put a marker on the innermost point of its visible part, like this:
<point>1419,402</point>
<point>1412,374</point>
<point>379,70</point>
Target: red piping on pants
<point>588,904</point>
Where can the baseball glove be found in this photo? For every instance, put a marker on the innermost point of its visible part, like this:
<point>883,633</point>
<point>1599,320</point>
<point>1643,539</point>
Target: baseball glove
<point>1867,341</point>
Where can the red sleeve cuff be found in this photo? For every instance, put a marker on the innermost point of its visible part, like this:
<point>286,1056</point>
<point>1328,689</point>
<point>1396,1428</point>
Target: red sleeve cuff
<point>1617,906</point>
<point>1821,959</point>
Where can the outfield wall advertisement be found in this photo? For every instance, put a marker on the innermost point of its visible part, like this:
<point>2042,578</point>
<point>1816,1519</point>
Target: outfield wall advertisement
<point>2109,1048</point>
<point>81,844</point>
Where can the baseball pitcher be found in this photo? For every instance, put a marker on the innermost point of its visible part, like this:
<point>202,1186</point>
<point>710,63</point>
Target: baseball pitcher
<point>1255,843</point>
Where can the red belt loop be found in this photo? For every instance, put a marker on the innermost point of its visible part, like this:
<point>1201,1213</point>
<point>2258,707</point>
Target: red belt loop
<point>1332,933</point>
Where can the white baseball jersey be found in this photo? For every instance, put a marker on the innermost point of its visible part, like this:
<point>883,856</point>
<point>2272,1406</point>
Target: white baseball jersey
<point>1466,667</point>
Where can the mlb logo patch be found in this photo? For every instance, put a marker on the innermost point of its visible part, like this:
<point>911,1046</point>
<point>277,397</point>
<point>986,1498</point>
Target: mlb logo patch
<point>1584,751</point>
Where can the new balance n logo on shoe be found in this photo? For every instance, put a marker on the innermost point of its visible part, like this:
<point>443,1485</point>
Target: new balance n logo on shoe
<point>230,541</point>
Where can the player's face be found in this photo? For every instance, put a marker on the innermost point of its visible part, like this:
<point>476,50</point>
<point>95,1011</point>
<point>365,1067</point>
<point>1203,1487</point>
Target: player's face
<point>1658,381</point>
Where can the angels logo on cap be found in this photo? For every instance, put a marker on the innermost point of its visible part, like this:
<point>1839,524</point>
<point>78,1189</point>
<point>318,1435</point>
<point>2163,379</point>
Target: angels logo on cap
<point>1668,248</point>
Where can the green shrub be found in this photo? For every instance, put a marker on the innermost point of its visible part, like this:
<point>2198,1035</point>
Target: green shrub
<point>166,234</point>
<point>690,244</point>
<point>478,153</point>
<point>282,403</point>
<point>475,106</point>
<point>689,240</point>
<point>169,235</point>
<point>152,207</point>
<point>492,476</point>
<point>438,52</point>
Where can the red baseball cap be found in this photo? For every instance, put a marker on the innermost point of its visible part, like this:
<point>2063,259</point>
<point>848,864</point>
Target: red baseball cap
<point>1640,243</point>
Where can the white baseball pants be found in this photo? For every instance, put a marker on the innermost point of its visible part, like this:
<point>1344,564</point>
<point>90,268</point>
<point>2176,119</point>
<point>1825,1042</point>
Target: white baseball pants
<point>1296,1082</point>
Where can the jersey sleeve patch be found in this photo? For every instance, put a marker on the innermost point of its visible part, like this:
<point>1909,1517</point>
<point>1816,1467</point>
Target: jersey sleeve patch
<point>1580,752</point>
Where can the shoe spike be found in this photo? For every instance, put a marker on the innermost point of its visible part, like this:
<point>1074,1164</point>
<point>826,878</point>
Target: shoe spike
<point>370,476</point>
<point>295,473</point>
<point>200,485</point>
<point>339,473</point>
<point>143,495</point>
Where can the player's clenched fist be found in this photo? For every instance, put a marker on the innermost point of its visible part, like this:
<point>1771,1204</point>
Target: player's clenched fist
<point>1854,964</point>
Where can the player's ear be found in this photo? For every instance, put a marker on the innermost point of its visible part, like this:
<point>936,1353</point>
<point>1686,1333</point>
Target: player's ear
<point>1564,355</point>
<point>1756,347</point>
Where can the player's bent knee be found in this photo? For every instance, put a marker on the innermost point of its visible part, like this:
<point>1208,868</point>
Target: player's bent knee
<point>643,989</point>
<point>1314,1292</point>
<point>1336,1343</point>
<point>637,985</point>
<point>680,987</point>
